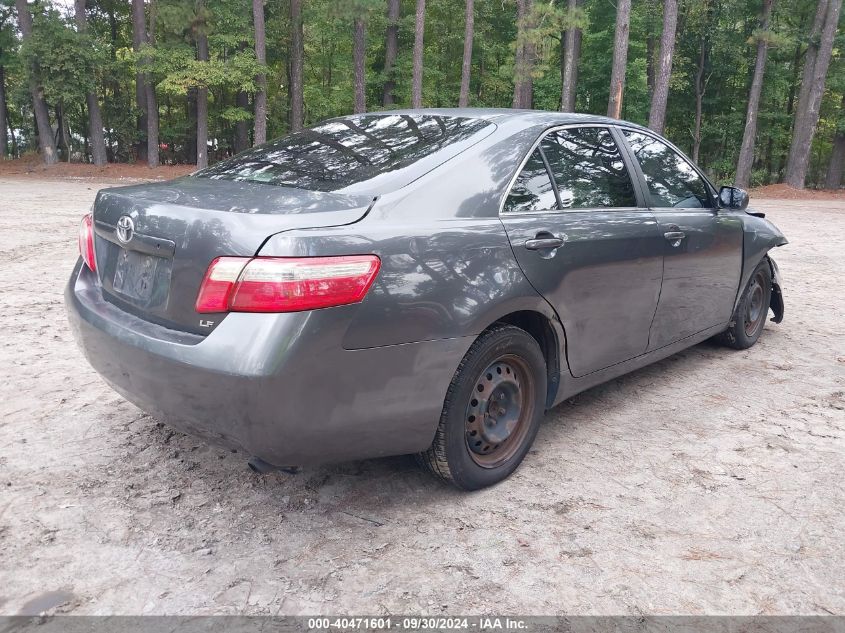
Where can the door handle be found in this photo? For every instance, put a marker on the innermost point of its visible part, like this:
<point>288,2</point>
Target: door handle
<point>542,243</point>
<point>675,237</point>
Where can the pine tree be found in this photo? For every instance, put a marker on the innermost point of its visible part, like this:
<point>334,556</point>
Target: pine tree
<point>466,65</point>
<point>417,78</point>
<point>746,152</point>
<point>620,58</point>
<point>296,60</point>
<point>260,133</point>
<point>657,115</point>
<point>46,143</point>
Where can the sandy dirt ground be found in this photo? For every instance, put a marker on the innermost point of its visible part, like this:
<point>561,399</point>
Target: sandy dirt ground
<point>711,482</point>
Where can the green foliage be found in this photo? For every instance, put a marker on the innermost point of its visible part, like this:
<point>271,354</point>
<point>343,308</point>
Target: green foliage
<point>67,61</point>
<point>180,72</point>
<point>70,64</point>
<point>228,26</point>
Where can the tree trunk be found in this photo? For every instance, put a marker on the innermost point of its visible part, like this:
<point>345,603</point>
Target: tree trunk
<point>810,58</point>
<point>152,126</point>
<point>571,42</point>
<point>241,130</point>
<point>746,151</point>
<point>46,143</point>
<point>796,64</point>
<point>113,146</point>
<point>4,117</point>
<point>152,102</point>
<point>202,91</point>
<point>260,132</point>
<point>5,107</point>
<point>296,55</point>
<point>139,38</point>
<point>650,47</point>
<point>67,138</point>
<point>649,65</point>
<point>620,58</point>
<point>189,153</point>
<point>391,48</point>
<point>837,157</point>
<point>86,145</point>
<point>700,85</point>
<point>61,135</point>
<point>95,117</point>
<point>807,117</point>
<point>466,66</point>
<point>359,58</point>
<point>657,116</point>
<point>417,78</point>
<point>523,84</point>
<point>837,161</point>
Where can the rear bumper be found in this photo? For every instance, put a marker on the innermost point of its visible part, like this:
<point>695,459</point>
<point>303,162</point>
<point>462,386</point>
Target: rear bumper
<point>278,386</point>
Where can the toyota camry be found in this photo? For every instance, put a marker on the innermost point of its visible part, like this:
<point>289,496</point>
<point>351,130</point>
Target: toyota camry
<point>425,282</point>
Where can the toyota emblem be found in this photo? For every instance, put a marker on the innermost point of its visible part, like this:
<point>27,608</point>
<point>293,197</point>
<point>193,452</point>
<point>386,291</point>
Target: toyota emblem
<point>125,229</point>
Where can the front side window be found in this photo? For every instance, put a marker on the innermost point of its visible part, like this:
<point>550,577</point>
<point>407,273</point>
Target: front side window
<point>588,169</point>
<point>532,190</point>
<point>671,179</point>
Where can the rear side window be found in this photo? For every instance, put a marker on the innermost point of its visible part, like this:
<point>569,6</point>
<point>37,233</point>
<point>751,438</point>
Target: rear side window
<point>588,169</point>
<point>532,190</point>
<point>344,152</point>
<point>672,181</point>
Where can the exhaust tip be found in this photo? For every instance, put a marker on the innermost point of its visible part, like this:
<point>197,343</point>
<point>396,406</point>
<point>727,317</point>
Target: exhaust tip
<point>258,465</point>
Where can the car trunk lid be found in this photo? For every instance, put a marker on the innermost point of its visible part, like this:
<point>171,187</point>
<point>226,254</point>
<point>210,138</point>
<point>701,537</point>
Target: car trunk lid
<point>155,241</point>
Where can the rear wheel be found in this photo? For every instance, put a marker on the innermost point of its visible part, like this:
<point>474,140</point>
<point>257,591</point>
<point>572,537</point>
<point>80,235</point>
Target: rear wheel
<point>750,317</point>
<point>492,410</point>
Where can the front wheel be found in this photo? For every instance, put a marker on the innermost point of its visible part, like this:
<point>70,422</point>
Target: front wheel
<point>750,317</point>
<point>492,410</point>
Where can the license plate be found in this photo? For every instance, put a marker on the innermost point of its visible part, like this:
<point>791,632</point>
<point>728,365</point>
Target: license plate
<point>135,274</point>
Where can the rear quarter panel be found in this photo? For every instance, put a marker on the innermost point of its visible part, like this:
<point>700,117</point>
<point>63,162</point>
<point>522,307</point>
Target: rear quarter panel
<point>447,267</point>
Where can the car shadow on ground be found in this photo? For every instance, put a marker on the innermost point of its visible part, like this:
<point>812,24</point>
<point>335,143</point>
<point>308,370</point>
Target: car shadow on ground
<point>393,484</point>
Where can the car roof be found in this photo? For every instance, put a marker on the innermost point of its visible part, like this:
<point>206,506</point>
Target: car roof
<point>529,118</point>
<point>515,129</point>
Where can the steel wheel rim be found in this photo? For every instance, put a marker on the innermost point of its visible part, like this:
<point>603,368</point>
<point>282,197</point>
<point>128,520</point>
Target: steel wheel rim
<point>499,411</point>
<point>755,311</point>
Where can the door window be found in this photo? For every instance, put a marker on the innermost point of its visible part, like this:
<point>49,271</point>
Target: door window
<point>588,169</point>
<point>532,190</point>
<point>671,179</point>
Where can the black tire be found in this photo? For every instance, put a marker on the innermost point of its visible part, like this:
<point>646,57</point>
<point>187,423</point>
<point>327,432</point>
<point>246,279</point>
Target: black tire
<point>502,378</point>
<point>750,317</point>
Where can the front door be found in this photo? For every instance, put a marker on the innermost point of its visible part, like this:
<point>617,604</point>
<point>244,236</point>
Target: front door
<point>702,246</point>
<point>587,244</point>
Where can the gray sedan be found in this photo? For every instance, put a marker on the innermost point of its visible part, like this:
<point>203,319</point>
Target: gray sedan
<point>422,281</point>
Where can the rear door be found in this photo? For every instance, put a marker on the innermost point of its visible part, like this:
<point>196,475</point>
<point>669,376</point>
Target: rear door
<point>584,238</point>
<point>702,247</point>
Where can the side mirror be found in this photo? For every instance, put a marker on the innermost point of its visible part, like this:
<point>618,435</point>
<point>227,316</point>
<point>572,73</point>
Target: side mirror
<point>733,198</point>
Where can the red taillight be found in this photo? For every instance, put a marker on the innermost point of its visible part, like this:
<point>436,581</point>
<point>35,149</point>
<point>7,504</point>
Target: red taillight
<point>220,279</point>
<point>285,284</point>
<point>86,242</point>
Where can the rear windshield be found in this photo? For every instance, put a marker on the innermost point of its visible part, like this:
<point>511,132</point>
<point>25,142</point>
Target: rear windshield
<point>344,152</point>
